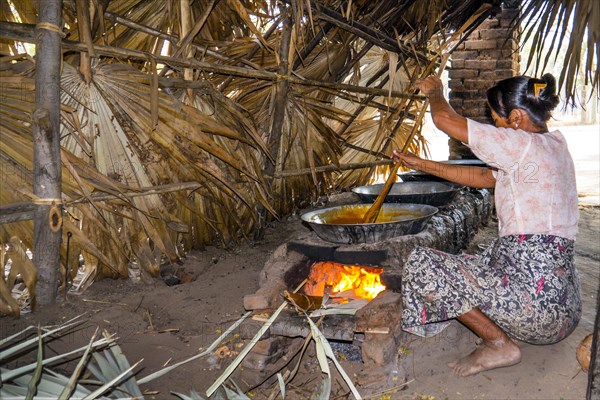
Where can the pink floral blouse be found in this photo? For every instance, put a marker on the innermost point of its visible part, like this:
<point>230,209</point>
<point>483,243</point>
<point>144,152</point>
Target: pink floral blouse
<point>535,190</point>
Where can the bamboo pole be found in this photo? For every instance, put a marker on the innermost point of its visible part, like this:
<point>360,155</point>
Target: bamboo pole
<point>47,229</point>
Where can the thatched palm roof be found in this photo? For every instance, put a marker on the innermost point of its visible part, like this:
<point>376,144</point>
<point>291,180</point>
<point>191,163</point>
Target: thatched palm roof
<point>195,124</point>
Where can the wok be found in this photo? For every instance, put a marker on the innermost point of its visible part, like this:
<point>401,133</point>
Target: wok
<point>419,176</point>
<point>432,193</point>
<point>343,224</point>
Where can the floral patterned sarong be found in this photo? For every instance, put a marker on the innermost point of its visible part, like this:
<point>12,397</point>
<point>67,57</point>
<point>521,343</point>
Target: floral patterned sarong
<point>526,284</point>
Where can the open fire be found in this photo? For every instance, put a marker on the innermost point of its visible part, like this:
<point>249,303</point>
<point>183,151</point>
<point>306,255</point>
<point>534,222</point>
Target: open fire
<point>344,281</point>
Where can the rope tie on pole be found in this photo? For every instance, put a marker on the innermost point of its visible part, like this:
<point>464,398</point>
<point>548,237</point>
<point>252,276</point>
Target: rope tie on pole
<point>50,27</point>
<point>47,201</point>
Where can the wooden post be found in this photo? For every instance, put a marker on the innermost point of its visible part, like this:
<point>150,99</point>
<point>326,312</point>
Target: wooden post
<point>277,123</point>
<point>46,150</point>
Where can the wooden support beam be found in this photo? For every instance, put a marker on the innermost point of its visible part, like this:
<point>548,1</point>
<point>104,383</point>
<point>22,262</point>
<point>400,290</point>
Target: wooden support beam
<point>333,168</point>
<point>23,211</point>
<point>47,228</point>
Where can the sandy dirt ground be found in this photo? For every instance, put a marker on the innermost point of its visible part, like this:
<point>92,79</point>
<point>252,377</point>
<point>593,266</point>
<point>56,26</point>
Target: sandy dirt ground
<point>197,312</point>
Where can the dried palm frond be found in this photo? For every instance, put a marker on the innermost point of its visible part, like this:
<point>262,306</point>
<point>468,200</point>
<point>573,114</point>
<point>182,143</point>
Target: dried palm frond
<point>547,23</point>
<point>113,148</point>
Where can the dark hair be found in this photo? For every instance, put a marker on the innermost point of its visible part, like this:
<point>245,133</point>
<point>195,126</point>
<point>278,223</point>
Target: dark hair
<point>520,92</point>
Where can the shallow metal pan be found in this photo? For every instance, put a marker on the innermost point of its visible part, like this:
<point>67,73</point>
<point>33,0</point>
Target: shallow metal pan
<point>432,193</point>
<point>398,220</point>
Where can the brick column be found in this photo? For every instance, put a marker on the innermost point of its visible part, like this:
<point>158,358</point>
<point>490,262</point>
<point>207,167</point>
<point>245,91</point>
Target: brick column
<point>490,54</point>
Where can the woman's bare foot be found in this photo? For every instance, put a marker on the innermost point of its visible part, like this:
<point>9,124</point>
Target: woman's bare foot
<point>492,354</point>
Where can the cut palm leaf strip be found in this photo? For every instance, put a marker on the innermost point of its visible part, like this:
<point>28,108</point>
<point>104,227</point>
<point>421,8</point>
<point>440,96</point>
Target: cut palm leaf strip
<point>104,388</point>
<point>70,386</point>
<point>324,351</point>
<point>32,387</point>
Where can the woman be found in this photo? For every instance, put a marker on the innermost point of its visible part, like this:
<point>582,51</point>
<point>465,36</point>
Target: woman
<point>524,286</point>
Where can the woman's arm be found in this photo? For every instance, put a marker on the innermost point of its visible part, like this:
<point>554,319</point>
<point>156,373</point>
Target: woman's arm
<point>477,177</point>
<point>443,115</point>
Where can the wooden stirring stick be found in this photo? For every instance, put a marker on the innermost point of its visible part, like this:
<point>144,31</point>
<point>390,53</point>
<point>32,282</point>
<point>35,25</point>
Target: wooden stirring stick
<point>372,213</point>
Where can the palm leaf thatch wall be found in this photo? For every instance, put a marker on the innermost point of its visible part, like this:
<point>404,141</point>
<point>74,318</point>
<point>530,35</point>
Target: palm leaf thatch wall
<point>193,123</point>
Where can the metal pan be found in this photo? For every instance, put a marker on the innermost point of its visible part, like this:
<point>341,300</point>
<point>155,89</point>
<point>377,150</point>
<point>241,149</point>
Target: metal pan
<point>432,193</point>
<point>342,224</point>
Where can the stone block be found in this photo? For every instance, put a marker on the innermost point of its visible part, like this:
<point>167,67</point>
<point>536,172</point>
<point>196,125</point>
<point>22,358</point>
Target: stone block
<point>455,83</point>
<point>476,84</point>
<point>464,55</point>
<point>465,94</point>
<point>379,349</point>
<point>492,34</point>
<point>280,253</point>
<point>268,296</point>
<point>497,75</point>
<point>457,104</point>
<point>457,63</point>
<point>463,73</point>
<point>480,64</point>
<point>480,44</point>
<point>381,314</point>
<point>509,64</point>
<point>256,302</point>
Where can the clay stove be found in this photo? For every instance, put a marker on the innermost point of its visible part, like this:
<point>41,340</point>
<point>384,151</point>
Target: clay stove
<point>376,327</point>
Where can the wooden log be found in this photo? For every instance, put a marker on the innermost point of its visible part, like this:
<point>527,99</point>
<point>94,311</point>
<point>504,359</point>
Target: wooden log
<point>47,229</point>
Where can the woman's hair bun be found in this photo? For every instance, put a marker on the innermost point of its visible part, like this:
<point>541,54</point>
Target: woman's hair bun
<point>548,94</point>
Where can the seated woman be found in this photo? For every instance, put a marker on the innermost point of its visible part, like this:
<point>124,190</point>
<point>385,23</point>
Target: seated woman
<point>524,286</point>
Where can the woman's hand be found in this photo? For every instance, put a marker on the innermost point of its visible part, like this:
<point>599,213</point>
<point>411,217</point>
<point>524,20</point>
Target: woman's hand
<point>408,159</point>
<point>430,86</point>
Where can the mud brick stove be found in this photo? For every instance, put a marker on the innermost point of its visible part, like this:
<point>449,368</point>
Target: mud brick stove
<point>375,328</point>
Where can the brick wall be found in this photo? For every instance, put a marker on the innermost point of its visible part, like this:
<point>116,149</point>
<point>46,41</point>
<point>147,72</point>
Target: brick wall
<point>490,54</point>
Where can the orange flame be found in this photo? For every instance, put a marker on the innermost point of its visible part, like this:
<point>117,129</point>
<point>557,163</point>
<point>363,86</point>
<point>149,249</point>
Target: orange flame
<point>364,282</point>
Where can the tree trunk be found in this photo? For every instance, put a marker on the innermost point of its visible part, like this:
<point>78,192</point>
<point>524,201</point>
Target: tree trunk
<point>46,150</point>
